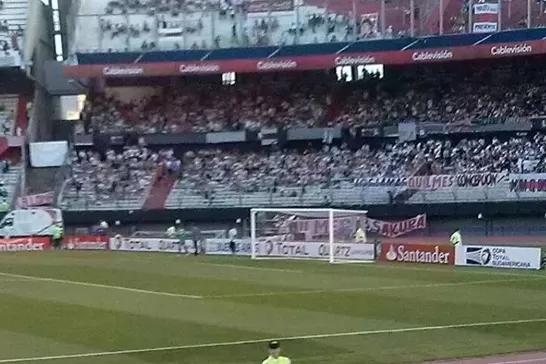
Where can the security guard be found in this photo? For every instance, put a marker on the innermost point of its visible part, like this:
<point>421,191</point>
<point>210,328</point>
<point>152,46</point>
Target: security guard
<point>58,235</point>
<point>456,238</point>
<point>275,354</point>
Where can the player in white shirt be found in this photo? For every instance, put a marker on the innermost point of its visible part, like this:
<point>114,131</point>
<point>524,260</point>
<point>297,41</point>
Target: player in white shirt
<point>232,234</point>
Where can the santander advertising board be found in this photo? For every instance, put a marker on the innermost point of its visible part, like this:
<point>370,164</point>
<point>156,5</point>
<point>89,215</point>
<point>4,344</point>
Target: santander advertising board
<point>417,253</point>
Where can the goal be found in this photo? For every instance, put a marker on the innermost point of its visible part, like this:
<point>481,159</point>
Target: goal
<point>337,236</point>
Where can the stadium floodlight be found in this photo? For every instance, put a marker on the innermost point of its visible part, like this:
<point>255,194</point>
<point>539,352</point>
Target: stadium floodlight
<point>338,236</point>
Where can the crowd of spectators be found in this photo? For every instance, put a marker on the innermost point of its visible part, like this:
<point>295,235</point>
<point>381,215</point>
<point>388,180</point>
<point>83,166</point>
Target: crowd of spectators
<point>128,175</point>
<point>209,108</point>
<point>109,176</point>
<point>271,171</point>
<point>373,101</point>
<point>449,98</point>
<point>246,172</point>
<point>515,155</point>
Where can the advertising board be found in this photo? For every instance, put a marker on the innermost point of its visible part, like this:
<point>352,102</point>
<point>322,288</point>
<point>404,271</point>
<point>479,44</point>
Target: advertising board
<point>213,246</point>
<point>498,257</point>
<point>26,244</point>
<point>417,253</point>
<point>85,242</point>
<point>272,248</point>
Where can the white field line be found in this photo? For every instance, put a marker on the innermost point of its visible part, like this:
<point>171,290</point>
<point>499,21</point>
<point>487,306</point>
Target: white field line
<point>288,338</point>
<point>531,361</point>
<point>249,267</point>
<point>15,280</point>
<point>96,285</point>
<point>367,289</point>
<point>458,270</point>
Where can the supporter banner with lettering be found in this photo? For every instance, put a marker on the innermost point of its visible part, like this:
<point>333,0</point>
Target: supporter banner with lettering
<point>417,253</point>
<point>393,229</point>
<point>347,226</point>
<point>498,257</point>
<point>529,185</point>
<point>28,244</point>
<point>85,242</point>
<point>311,62</point>
<point>381,181</point>
<point>40,199</point>
<point>485,18</point>
<point>468,180</point>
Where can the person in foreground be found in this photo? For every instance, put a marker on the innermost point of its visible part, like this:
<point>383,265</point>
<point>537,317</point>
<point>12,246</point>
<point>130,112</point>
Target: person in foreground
<point>275,354</point>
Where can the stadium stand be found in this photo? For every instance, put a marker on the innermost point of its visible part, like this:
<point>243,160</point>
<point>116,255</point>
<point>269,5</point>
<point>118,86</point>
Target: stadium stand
<point>459,96</point>
<point>13,15</point>
<point>150,25</point>
<point>8,110</point>
<point>210,108</point>
<point>112,180</point>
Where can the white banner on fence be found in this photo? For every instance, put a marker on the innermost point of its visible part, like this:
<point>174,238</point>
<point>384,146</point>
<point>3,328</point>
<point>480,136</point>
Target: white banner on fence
<point>452,181</point>
<point>527,185</point>
<point>498,257</point>
<point>485,17</point>
<point>48,154</point>
<point>274,248</point>
<point>212,246</point>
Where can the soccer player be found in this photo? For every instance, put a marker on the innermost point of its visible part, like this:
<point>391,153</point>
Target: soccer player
<point>232,233</point>
<point>275,354</point>
<point>196,236</point>
<point>181,238</point>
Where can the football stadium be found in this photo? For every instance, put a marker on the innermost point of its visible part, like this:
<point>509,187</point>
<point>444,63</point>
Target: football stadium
<point>272,181</point>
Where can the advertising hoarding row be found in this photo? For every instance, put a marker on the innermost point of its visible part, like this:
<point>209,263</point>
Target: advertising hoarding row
<point>506,257</point>
<point>311,62</point>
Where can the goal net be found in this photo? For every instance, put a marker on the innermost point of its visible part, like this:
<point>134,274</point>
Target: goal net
<point>338,236</point>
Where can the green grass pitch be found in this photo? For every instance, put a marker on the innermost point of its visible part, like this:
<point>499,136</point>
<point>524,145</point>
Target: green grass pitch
<point>217,310</point>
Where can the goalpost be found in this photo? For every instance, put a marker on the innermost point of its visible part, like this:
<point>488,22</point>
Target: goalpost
<point>338,236</point>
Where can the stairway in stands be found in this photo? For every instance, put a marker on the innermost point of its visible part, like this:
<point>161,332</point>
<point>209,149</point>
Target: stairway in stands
<point>40,180</point>
<point>159,192</point>
<point>338,100</point>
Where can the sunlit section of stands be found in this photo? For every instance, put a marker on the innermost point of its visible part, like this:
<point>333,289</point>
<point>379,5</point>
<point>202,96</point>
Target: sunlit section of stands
<point>8,109</point>
<point>13,17</point>
<point>214,24</point>
<point>8,183</point>
<point>87,199</point>
<point>184,195</point>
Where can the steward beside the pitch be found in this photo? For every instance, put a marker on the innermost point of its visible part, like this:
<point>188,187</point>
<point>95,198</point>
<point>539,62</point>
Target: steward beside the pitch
<point>455,238</point>
<point>275,354</point>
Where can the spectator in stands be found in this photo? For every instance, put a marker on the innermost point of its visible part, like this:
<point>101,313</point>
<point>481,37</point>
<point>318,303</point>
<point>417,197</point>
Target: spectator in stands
<point>115,176</point>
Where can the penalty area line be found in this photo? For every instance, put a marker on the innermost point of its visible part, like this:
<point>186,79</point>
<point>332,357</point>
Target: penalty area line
<point>97,285</point>
<point>288,338</point>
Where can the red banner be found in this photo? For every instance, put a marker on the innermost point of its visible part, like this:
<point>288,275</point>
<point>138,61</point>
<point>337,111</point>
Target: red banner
<point>40,199</point>
<point>85,242</point>
<point>392,229</point>
<point>312,62</point>
<point>417,253</point>
<point>29,244</point>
